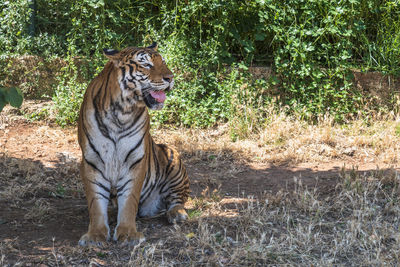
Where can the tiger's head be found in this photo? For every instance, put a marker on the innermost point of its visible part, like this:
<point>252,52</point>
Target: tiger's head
<point>142,74</point>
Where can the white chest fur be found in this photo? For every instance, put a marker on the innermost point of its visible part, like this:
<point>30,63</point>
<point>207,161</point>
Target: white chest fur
<point>111,150</point>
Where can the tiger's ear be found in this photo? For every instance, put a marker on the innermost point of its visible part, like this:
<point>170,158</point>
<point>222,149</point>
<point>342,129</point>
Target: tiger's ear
<point>111,53</point>
<point>153,46</point>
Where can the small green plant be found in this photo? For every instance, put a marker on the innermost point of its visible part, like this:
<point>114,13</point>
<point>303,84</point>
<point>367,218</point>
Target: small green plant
<point>39,114</point>
<point>68,95</point>
<point>397,130</point>
<point>12,96</point>
<point>59,192</point>
<point>67,100</point>
<point>193,213</point>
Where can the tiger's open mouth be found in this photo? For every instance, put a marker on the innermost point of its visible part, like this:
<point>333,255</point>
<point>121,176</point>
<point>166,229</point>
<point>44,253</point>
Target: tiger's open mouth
<point>154,99</point>
<point>159,96</point>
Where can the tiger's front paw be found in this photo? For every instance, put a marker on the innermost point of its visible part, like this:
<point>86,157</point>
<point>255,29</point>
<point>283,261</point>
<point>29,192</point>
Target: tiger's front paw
<point>177,214</point>
<point>93,239</point>
<point>128,236</point>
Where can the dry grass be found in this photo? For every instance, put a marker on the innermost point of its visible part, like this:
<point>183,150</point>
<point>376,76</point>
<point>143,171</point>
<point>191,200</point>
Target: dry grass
<point>355,223</point>
<point>39,212</point>
<point>286,140</point>
<point>282,139</point>
<point>26,179</point>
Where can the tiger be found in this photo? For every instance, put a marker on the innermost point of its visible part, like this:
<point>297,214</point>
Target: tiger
<point>120,159</point>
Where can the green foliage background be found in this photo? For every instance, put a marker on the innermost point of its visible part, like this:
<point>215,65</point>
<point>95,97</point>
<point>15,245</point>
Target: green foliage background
<point>311,45</point>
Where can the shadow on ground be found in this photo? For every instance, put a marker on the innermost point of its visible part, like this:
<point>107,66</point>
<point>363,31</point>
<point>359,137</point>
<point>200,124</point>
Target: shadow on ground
<point>30,231</point>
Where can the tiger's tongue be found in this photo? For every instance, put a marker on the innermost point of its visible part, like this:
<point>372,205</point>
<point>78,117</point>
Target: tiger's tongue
<point>158,95</point>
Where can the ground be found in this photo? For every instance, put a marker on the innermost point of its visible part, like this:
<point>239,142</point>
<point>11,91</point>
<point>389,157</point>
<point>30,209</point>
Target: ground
<point>306,169</point>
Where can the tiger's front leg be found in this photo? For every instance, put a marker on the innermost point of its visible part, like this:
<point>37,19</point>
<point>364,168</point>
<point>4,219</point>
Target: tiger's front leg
<point>97,192</point>
<point>128,196</point>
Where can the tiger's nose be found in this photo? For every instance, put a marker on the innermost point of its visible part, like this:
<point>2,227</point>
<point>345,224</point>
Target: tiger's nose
<point>168,78</point>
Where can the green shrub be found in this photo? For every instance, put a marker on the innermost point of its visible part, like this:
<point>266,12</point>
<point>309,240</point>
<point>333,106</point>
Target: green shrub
<point>314,43</point>
<point>237,98</point>
<point>312,46</point>
<point>68,95</point>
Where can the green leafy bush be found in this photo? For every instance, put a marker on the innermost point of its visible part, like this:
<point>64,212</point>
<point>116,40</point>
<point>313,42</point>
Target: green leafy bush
<point>314,43</point>
<point>312,47</point>
<point>68,95</point>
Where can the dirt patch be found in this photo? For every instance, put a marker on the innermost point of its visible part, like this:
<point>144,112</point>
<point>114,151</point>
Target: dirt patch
<point>44,213</point>
<point>381,88</point>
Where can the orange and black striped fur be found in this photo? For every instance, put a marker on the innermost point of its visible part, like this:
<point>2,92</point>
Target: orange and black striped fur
<point>119,157</point>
